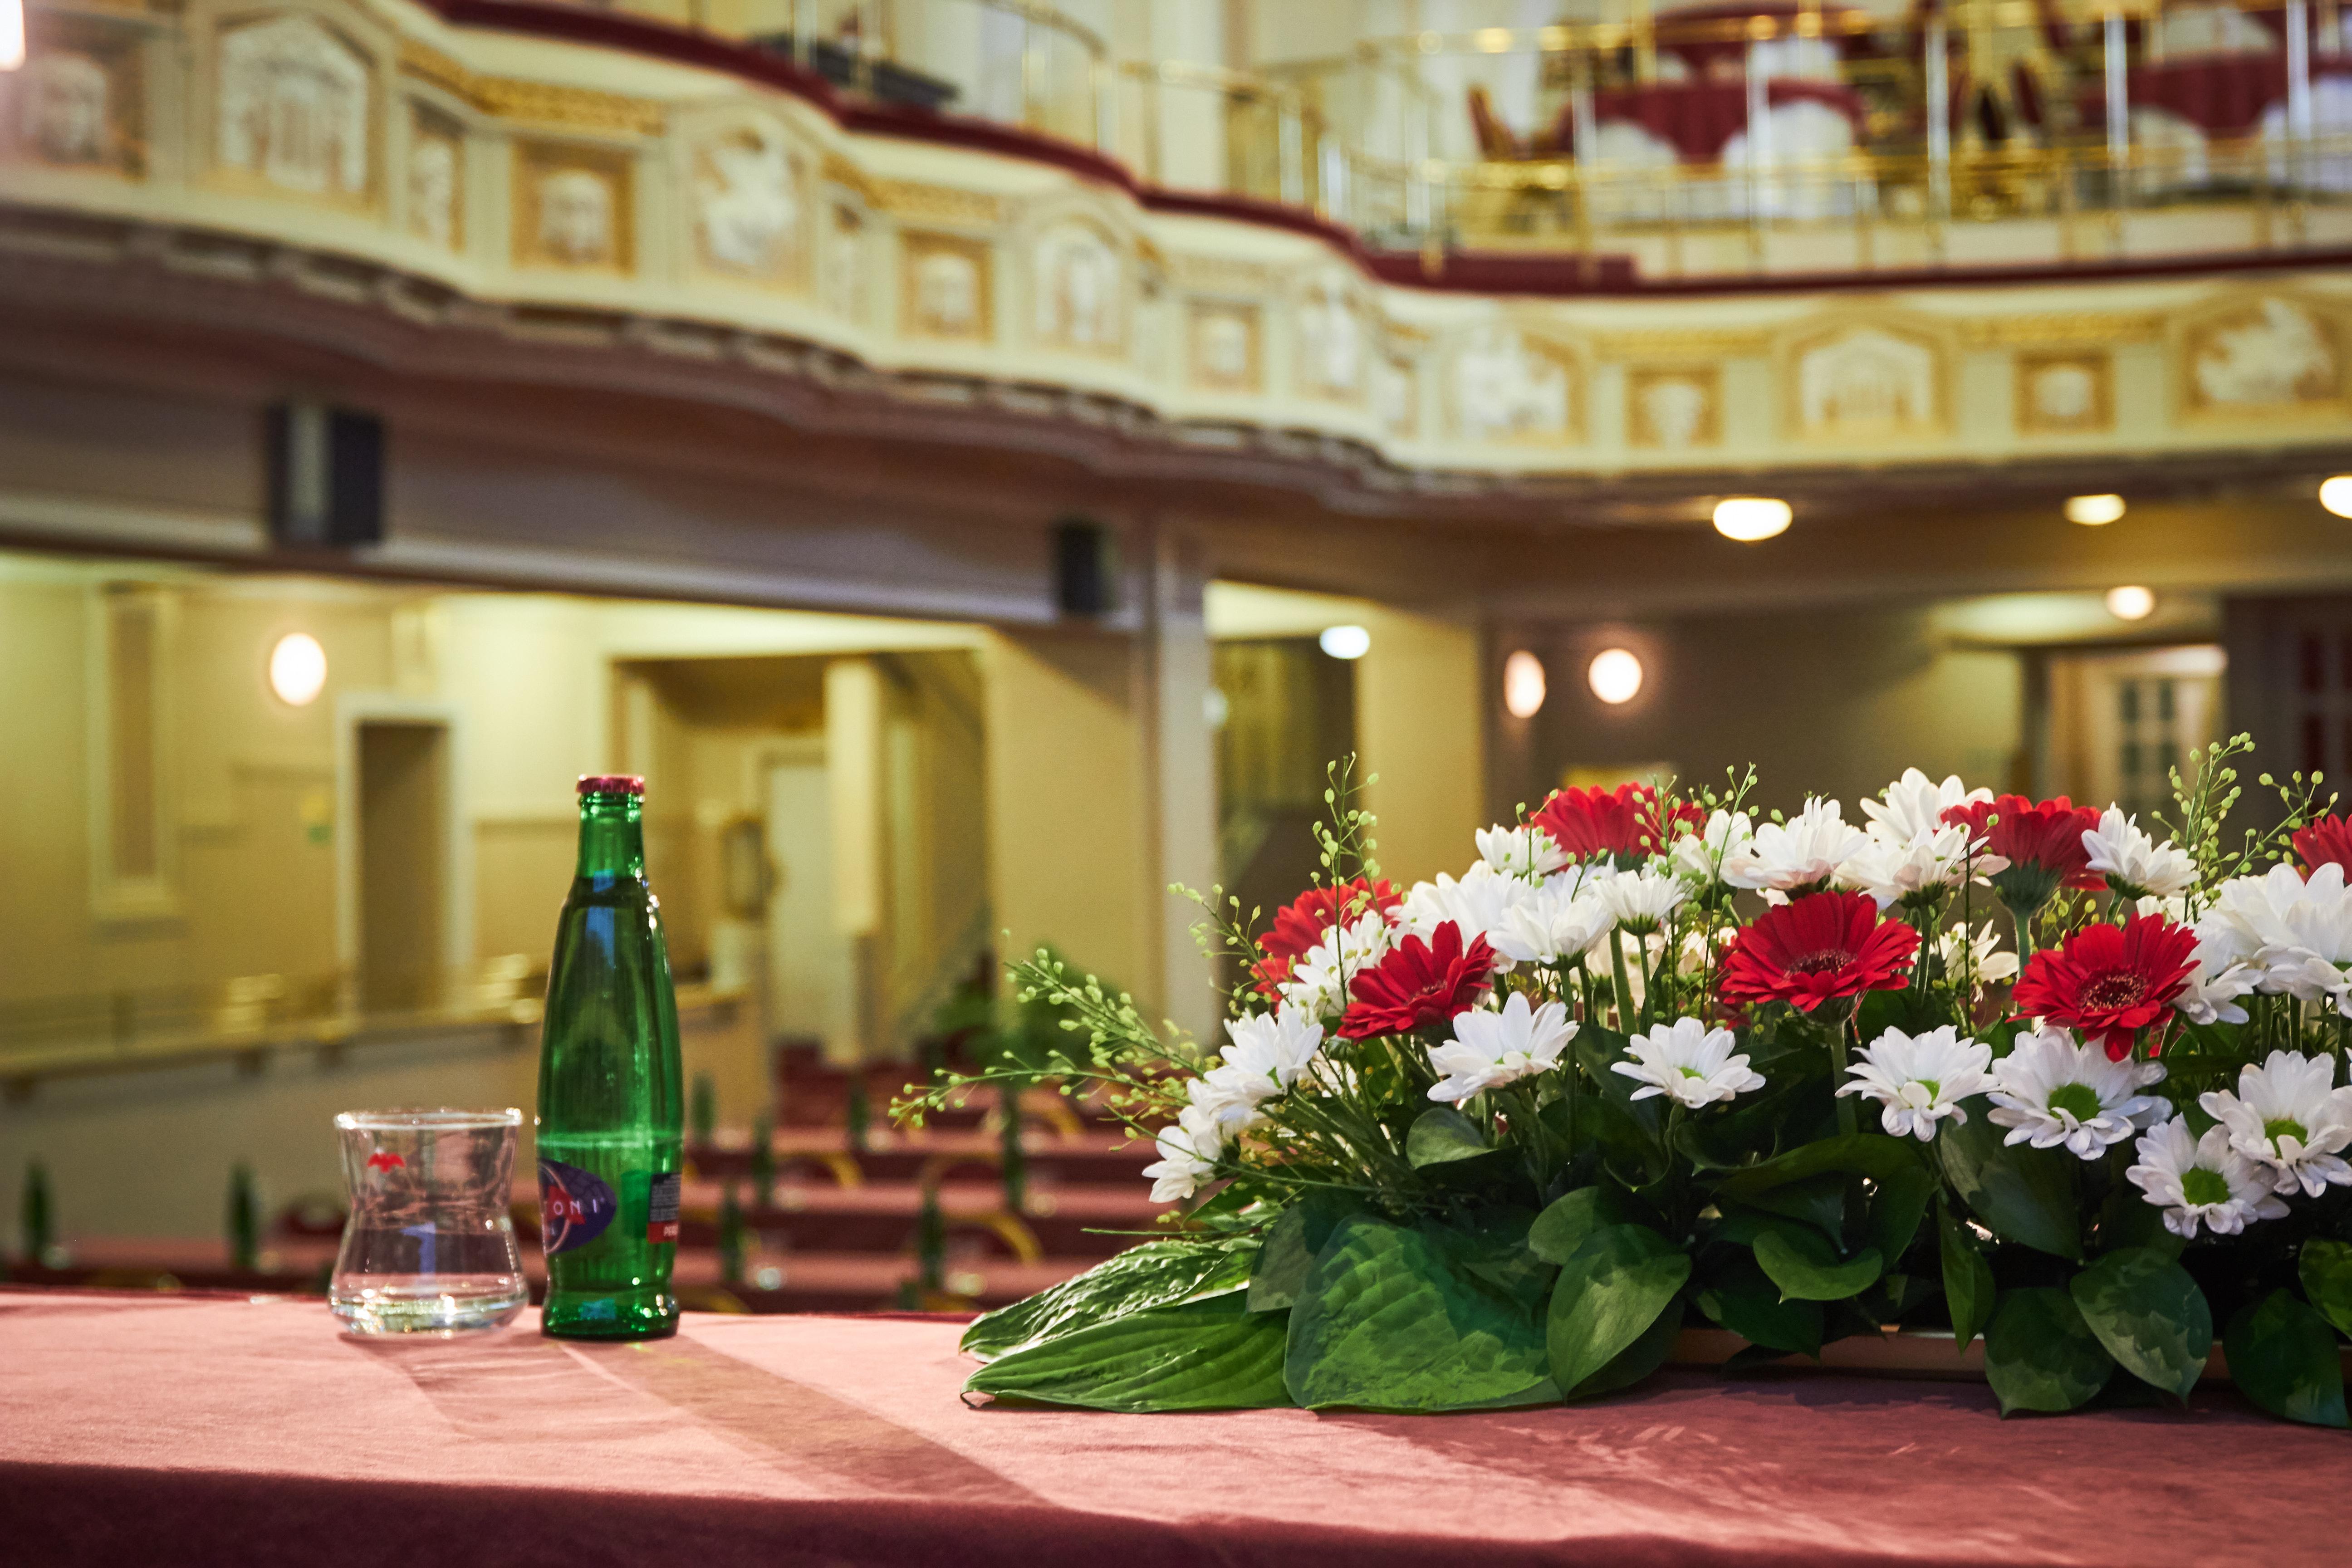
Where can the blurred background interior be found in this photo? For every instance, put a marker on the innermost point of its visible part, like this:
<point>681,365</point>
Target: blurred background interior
<point>979,460</point>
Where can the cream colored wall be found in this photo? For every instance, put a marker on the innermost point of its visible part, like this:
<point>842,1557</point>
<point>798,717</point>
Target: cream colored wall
<point>1420,721</point>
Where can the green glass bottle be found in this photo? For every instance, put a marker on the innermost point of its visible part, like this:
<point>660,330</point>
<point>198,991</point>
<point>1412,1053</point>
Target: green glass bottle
<point>611,1090</point>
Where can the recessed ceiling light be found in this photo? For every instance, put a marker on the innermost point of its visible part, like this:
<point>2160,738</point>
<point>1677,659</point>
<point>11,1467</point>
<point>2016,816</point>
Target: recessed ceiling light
<point>1346,642</point>
<point>2130,604</point>
<point>2093,512</point>
<point>1751,518</point>
<point>298,669</point>
<point>1523,685</point>
<point>2336,495</point>
<point>1615,675</point>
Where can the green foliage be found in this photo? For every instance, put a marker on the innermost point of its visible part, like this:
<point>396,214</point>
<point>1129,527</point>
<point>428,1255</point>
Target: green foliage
<point>2150,1316</point>
<point>2040,1355</point>
<point>1613,1289</point>
<point>1441,1135</point>
<point>1291,1243</point>
<point>1211,1354</point>
<point>1808,1268</point>
<point>2024,1194</point>
<point>1155,1274</point>
<point>1968,1280</point>
<point>1562,1227</point>
<point>1390,1319</point>
<point>2282,1356</point>
<point>2326,1268</point>
<point>1743,1298</point>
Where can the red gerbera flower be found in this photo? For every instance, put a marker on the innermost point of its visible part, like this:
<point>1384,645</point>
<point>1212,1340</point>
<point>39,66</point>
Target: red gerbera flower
<point>2327,842</point>
<point>1818,948</point>
<point>1302,924</point>
<point>2042,843</point>
<point>1419,983</point>
<point>2107,981</point>
<point>1623,822</point>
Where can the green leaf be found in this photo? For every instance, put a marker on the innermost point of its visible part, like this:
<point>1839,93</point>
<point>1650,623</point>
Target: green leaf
<point>2150,1316</point>
<point>1638,1360</point>
<point>1818,1201</point>
<point>1156,1274</point>
<point>1743,1298</point>
<point>1564,1224</point>
<point>2022,1193</point>
<point>2040,1355</point>
<point>1872,1154</point>
<point>2326,1270</point>
<point>1291,1243</point>
<point>1968,1281</point>
<point>2282,1356</point>
<point>1390,1318</point>
<point>1809,1270</point>
<point>1611,1290</point>
<point>1441,1135</point>
<point>1202,1355</point>
<point>1897,1207</point>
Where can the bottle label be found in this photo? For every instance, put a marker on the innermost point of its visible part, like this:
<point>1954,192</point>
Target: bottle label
<point>574,1205</point>
<point>661,1207</point>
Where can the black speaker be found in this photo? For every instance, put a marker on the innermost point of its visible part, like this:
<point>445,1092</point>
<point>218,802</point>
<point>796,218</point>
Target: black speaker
<point>1086,568</point>
<point>325,476</point>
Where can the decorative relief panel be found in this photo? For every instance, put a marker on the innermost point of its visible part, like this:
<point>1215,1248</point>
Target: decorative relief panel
<point>1331,340</point>
<point>293,108</point>
<point>749,196</point>
<point>1674,409</point>
<point>78,100</point>
<point>436,178</point>
<point>571,207</point>
<point>1395,395</point>
<point>946,291</point>
<point>1078,279</point>
<point>845,247</point>
<point>1508,387</point>
<point>2065,394</point>
<point>2271,355</point>
<point>1227,346</point>
<point>1867,383</point>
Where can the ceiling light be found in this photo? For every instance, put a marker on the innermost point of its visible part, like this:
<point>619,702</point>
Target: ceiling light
<point>2093,512</point>
<point>2131,604</point>
<point>2336,495</point>
<point>297,669</point>
<point>11,33</point>
<point>1346,642</point>
<point>1751,518</point>
<point>1523,685</point>
<point>1615,676</point>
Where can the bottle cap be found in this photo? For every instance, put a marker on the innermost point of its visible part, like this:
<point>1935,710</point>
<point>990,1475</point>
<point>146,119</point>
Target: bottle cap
<point>611,784</point>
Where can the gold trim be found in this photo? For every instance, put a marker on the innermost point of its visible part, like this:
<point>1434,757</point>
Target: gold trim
<point>1222,275</point>
<point>1684,343</point>
<point>538,102</point>
<point>2098,421</point>
<point>1641,432</point>
<point>841,172</point>
<point>2069,329</point>
<point>935,203</point>
<point>537,161</point>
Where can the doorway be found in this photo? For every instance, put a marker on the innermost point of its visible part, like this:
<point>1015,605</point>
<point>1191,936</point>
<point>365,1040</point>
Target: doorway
<point>403,824</point>
<point>811,963</point>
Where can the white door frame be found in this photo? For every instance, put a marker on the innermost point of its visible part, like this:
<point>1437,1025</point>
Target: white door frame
<point>353,709</point>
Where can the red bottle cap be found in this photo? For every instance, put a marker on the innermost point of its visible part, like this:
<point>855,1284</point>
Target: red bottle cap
<point>611,784</point>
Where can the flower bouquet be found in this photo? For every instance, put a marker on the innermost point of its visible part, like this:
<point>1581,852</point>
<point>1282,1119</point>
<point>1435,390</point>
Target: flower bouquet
<point>1970,1066</point>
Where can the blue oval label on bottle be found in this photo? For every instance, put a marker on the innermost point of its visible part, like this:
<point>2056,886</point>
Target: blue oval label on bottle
<point>574,1205</point>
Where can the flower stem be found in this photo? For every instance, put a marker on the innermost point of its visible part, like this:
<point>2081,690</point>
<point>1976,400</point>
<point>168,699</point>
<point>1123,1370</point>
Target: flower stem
<point>1624,991</point>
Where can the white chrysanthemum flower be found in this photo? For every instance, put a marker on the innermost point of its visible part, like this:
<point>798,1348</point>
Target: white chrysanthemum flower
<point>1916,804</point>
<point>1317,987</point>
<point>1228,1100</point>
<point>1689,1062</point>
<point>1188,1155</point>
<point>1491,1049</point>
<point>1807,849</point>
<point>1701,855</point>
<point>1920,1080</point>
<point>2297,935</point>
<point>1924,868</point>
<point>2134,862</point>
<point>1520,851</point>
<point>2219,978</point>
<point>1477,904</point>
<point>1982,951</point>
<point>1641,901</point>
<point>1269,1053</point>
<point>2196,1180</point>
<point>2050,1092</point>
<point>2290,1119</point>
<point>1555,922</point>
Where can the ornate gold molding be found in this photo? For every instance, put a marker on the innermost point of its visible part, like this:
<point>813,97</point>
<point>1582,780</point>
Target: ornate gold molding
<point>1221,275</point>
<point>538,102</point>
<point>935,203</point>
<point>2066,329</point>
<point>1685,343</point>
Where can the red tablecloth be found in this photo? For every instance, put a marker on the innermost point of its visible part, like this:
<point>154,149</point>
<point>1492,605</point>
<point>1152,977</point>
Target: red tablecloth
<point>199,1431</point>
<point>2223,95</point>
<point>1699,116</point>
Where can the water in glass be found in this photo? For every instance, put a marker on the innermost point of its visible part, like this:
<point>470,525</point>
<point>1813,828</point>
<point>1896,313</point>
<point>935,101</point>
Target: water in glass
<point>429,1245</point>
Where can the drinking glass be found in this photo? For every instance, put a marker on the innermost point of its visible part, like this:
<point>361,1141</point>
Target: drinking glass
<point>429,1247</point>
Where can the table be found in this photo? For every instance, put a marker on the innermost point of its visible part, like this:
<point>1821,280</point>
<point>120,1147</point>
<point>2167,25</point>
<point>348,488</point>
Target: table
<point>198,1431</point>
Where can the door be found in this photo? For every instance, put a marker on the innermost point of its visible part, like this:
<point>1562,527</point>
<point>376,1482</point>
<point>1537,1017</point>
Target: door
<point>403,852</point>
<point>810,967</point>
